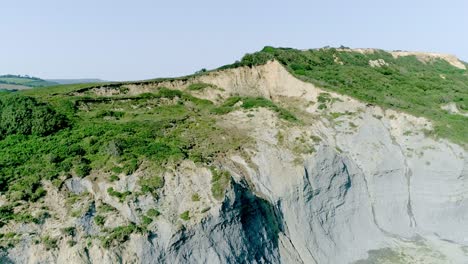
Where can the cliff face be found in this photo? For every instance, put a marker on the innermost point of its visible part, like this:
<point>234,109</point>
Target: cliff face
<point>352,183</point>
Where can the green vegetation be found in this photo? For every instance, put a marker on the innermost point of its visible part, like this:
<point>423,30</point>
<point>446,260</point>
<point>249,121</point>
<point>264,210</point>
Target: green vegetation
<point>151,184</point>
<point>22,82</point>
<point>119,235</point>
<point>198,86</point>
<point>24,115</point>
<point>8,240</point>
<point>254,102</point>
<point>195,197</point>
<point>99,220</point>
<point>105,208</point>
<point>219,182</point>
<point>49,243</point>
<point>405,84</point>
<point>153,213</point>
<point>69,231</point>
<point>50,134</point>
<point>7,214</point>
<point>185,216</point>
<point>145,220</point>
<point>120,195</point>
<point>114,178</point>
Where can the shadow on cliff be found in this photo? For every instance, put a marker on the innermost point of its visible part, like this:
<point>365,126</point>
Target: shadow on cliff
<point>261,222</point>
<point>246,230</point>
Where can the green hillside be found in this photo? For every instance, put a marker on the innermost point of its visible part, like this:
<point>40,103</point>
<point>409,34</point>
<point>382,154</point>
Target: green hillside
<point>54,132</point>
<point>405,83</point>
<point>18,82</point>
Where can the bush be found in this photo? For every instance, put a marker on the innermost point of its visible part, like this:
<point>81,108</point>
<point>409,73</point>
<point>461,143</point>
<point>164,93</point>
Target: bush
<point>185,216</point>
<point>104,208</point>
<point>82,170</point>
<point>145,220</point>
<point>119,235</point>
<point>121,195</point>
<point>69,231</point>
<point>114,178</point>
<point>195,197</point>
<point>24,115</point>
<point>49,243</point>
<point>219,182</point>
<point>153,213</point>
<point>99,220</point>
<point>152,184</point>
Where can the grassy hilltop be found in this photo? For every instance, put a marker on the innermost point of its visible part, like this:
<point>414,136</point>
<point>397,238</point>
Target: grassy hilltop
<point>405,83</point>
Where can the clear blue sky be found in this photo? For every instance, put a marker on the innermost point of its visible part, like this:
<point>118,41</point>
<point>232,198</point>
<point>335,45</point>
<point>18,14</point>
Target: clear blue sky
<point>139,39</point>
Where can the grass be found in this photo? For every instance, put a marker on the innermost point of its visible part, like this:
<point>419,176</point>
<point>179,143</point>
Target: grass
<point>406,84</point>
<point>254,102</point>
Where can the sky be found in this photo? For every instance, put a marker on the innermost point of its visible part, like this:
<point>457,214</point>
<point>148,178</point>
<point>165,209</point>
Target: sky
<point>142,39</point>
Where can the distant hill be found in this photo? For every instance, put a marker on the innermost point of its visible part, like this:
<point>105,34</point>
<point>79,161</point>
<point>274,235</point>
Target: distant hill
<point>19,82</point>
<point>75,81</point>
<point>10,82</point>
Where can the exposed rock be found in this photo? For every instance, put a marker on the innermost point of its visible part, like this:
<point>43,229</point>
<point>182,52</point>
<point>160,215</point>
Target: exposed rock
<point>363,186</point>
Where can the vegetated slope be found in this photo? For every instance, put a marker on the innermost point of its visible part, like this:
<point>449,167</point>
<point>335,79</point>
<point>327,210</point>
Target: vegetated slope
<point>246,164</point>
<point>18,82</point>
<point>416,83</point>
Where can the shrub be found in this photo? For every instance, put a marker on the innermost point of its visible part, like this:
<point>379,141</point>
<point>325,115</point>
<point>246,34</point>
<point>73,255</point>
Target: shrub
<point>151,184</point>
<point>195,197</point>
<point>121,195</point>
<point>82,170</point>
<point>49,243</point>
<point>219,182</point>
<point>69,231</point>
<point>114,178</point>
<point>104,208</point>
<point>146,220</point>
<point>153,213</point>
<point>99,220</point>
<point>130,166</point>
<point>119,235</point>
<point>26,116</point>
<point>185,216</point>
